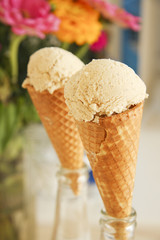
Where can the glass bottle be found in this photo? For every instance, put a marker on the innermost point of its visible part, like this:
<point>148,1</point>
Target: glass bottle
<point>117,229</point>
<point>71,222</point>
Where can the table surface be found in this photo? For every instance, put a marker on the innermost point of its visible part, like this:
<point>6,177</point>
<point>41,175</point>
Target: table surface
<point>44,232</point>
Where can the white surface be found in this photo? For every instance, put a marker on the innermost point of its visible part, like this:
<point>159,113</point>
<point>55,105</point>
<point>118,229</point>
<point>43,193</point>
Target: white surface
<point>147,189</point>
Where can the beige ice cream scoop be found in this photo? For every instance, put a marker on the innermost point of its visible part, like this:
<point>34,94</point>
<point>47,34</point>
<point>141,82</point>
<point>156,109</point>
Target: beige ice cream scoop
<point>106,99</point>
<point>48,70</point>
<point>103,87</point>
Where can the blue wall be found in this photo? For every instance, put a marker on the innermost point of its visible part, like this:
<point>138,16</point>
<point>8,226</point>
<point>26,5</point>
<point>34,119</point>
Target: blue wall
<point>130,38</point>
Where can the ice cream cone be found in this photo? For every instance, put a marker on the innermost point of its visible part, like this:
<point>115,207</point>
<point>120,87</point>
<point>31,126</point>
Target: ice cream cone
<point>112,147</point>
<point>60,128</point>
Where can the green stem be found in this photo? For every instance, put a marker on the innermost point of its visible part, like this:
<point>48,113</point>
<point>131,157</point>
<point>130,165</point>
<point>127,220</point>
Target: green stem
<point>14,46</point>
<point>82,51</point>
<point>65,45</point>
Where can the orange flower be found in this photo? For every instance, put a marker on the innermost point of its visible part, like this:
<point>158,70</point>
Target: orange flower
<point>79,22</point>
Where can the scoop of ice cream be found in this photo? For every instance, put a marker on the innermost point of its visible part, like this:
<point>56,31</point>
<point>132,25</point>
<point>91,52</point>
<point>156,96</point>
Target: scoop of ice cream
<point>49,68</point>
<point>103,87</point>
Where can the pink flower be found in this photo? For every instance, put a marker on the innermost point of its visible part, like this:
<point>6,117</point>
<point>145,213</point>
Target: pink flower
<point>31,17</point>
<point>100,43</point>
<point>116,14</point>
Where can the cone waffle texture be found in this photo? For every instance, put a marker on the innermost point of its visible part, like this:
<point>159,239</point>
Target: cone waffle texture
<point>112,147</point>
<point>60,127</point>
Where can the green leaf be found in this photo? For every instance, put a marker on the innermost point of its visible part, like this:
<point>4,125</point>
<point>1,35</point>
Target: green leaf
<point>8,123</point>
<point>14,147</point>
<point>2,128</point>
<point>11,116</point>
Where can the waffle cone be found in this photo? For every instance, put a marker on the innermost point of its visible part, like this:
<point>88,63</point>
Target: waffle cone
<point>60,128</point>
<point>112,147</point>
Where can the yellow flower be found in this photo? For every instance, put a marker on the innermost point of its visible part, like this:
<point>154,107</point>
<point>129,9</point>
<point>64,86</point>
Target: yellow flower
<point>79,22</point>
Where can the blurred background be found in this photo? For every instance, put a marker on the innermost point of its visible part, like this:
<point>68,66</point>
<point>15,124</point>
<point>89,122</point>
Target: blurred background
<point>125,30</point>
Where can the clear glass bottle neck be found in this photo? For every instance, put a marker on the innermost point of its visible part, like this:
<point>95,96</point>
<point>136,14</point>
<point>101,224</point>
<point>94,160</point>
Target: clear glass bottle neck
<point>117,229</point>
<point>71,222</point>
<point>72,182</point>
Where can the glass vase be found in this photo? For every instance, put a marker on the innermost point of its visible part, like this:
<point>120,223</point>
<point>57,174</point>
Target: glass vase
<point>117,229</point>
<point>71,222</point>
